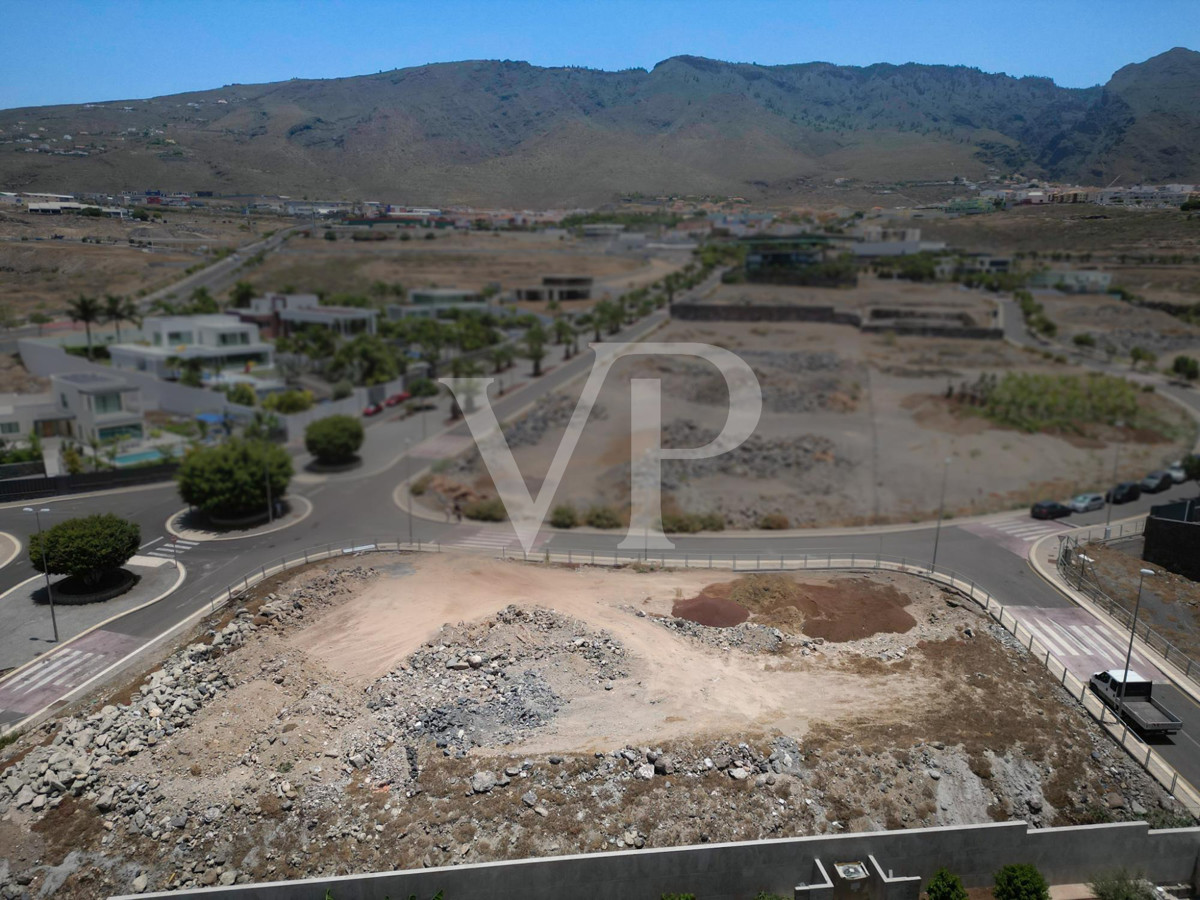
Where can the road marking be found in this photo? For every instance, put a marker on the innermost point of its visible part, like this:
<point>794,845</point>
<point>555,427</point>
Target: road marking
<point>148,543</point>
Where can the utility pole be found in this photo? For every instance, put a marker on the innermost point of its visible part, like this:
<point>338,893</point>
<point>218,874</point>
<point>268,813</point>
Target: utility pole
<point>937,534</point>
<point>1112,494</point>
<point>408,481</point>
<point>37,517</point>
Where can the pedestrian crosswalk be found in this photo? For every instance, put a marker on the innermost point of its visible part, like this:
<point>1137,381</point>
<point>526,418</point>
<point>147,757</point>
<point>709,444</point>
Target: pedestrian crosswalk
<point>491,540</point>
<point>1081,642</point>
<point>172,548</point>
<point>48,679</point>
<point>1015,532</point>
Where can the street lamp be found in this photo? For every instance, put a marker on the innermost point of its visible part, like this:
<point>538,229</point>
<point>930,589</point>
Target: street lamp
<point>267,482</point>
<point>1082,559</point>
<point>1112,494</point>
<point>37,516</point>
<point>1132,631</point>
<point>408,481</point>
<point>937,534</point>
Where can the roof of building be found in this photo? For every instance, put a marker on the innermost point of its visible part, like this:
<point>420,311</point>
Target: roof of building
<point>95,382</point>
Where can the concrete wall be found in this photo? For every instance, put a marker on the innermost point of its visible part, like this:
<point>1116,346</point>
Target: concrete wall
<point>729,871</point>
<point>786,312</point>
<point>1173,545</point>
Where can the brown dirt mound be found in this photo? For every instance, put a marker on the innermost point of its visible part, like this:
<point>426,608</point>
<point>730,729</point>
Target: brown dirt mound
<point>712,609</point>
<point>847,609</point>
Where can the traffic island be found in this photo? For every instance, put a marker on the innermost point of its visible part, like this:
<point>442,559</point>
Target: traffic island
<point>193,525</point>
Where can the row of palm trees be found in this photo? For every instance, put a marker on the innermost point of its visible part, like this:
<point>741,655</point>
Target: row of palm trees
<point>92,311</point>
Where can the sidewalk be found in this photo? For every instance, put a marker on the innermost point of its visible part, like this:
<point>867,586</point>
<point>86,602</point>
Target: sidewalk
<point>25,628</point>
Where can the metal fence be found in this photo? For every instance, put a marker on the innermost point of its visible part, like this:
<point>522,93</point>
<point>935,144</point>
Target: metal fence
<point>837,560</point>
<point>1071,569</point>
<point>53,485</point>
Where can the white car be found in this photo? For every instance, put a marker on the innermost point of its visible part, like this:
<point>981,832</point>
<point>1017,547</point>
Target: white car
<point>1175,470</point>
<point>1086,502</point>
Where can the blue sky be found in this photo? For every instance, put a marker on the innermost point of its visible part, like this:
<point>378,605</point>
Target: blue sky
<point>69,51</point>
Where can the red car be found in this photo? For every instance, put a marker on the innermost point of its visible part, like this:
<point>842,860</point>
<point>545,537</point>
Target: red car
<point>373,410</point>
<point>397,399</point>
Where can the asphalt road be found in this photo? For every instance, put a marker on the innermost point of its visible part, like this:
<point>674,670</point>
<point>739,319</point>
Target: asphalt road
<point>357,507</point>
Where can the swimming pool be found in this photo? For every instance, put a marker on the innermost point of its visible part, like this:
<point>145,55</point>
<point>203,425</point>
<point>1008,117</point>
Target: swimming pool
<point>129,459</point>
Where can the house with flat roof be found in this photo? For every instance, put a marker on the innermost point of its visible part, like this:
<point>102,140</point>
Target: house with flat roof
<point>218,342</point>
<point>438,302</point>
<point>1074,281</point>
<point>278,315</point>
<point>85,406</point>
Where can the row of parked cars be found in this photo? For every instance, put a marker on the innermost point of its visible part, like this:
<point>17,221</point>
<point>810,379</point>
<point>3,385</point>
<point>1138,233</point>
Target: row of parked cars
<point>375,409</point>
<point>1126,491</point>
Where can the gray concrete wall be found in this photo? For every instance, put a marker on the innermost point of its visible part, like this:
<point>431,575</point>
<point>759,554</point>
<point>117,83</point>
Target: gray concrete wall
<point>737,871</point>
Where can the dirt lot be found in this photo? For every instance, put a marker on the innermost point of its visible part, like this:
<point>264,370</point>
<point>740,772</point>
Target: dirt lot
<point>38,270</point>
<point>1111,321</point>
<point>359,719</point>
<point>853,431</point>
<point>469,260</point>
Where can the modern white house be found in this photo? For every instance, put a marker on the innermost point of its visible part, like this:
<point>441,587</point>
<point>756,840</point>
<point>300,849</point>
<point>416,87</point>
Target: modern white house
<point>218,342</point>
<point>281,314</point>
<point>84,406</point>
<point>434,302</point>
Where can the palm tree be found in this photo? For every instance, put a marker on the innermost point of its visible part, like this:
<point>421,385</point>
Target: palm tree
<point>535,346</point>
<point>88,311</point>
<point>118,310</point>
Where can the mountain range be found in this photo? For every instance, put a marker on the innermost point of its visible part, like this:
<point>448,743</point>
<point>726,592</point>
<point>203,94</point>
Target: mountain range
<point>509,133</point>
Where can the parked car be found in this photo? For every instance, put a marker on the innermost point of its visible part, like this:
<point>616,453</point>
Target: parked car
<point>373,410</point>
<point>1124,492</point>
<point>1133,695</point>
<point>1155,482</point>
<point>1175,470</point>
<point>397,399</point>
<point>1082,503</point>
<point>1049,509</point>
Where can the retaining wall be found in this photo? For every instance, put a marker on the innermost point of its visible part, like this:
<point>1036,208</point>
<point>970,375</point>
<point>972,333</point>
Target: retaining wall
<point>740,870</point>
<point>786,312</point>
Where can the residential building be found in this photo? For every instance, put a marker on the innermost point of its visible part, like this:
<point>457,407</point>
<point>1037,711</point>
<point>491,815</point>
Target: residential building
<point>217,341</point>
<point>559,287</point>
<point>85,406</point>
<point>1074,281</point>
<point>281,314</point>
<point>437,302</point>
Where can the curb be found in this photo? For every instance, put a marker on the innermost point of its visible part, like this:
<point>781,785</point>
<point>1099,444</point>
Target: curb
<point>201,537</point>
<point>17,545</point>
<point>86,495</point>
<point>178,581</point>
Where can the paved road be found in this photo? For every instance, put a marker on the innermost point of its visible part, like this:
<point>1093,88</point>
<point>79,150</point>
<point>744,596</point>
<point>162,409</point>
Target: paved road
<point>357,507</point>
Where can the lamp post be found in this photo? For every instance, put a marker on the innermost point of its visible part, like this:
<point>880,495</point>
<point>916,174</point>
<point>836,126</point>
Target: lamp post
<point>1112,494</point>
<point>408,481</point>
<point>937,534</point>
<point>1132,632</point>
<point>1082,559</point>
<point>37,516</point>
<point>267,482</point>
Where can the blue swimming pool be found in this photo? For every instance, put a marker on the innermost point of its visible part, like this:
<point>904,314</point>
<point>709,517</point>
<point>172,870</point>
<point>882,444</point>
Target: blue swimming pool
<point>129,459</point>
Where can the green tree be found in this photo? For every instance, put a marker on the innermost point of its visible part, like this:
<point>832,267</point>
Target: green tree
<point>334,439</point>
<point>39,318</point>
<point>1020,881</point>
<point>1084,340</point>
<point>1191,467</point>
<point>242,394</point>
<point>118,310</point>
<point>1141,355</point>
<point>230,480</point>
<point>367,359</point>
<point>534,349</point>
<point>432,337</point>
<point>87,548</point>
<point>501,357</point>
<point>564,516</point>
<point>469,369</point>
<point>241,294</point>
<point>1186,367</point>
<point>190,372</point>
<point>201,302</point>
<point>88,311</point>
<point>945,885</point>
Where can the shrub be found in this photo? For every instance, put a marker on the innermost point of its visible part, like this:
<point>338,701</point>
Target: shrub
<point>564,516</point>
<point>602,517</point>
<point>286,402</point>
<point>241,393</point>
<point>945,885</point>
<point>421,485</point>
<point>334,439</point>
<point>1084,340</point>
<point>342,390</point>
<point>1121,884</point>
<point>1020,881</point>
<point>230,480</point>
<point>423,387</point>
<point>774,522</point>
<point>86,548</point>
<point>488,510</point>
